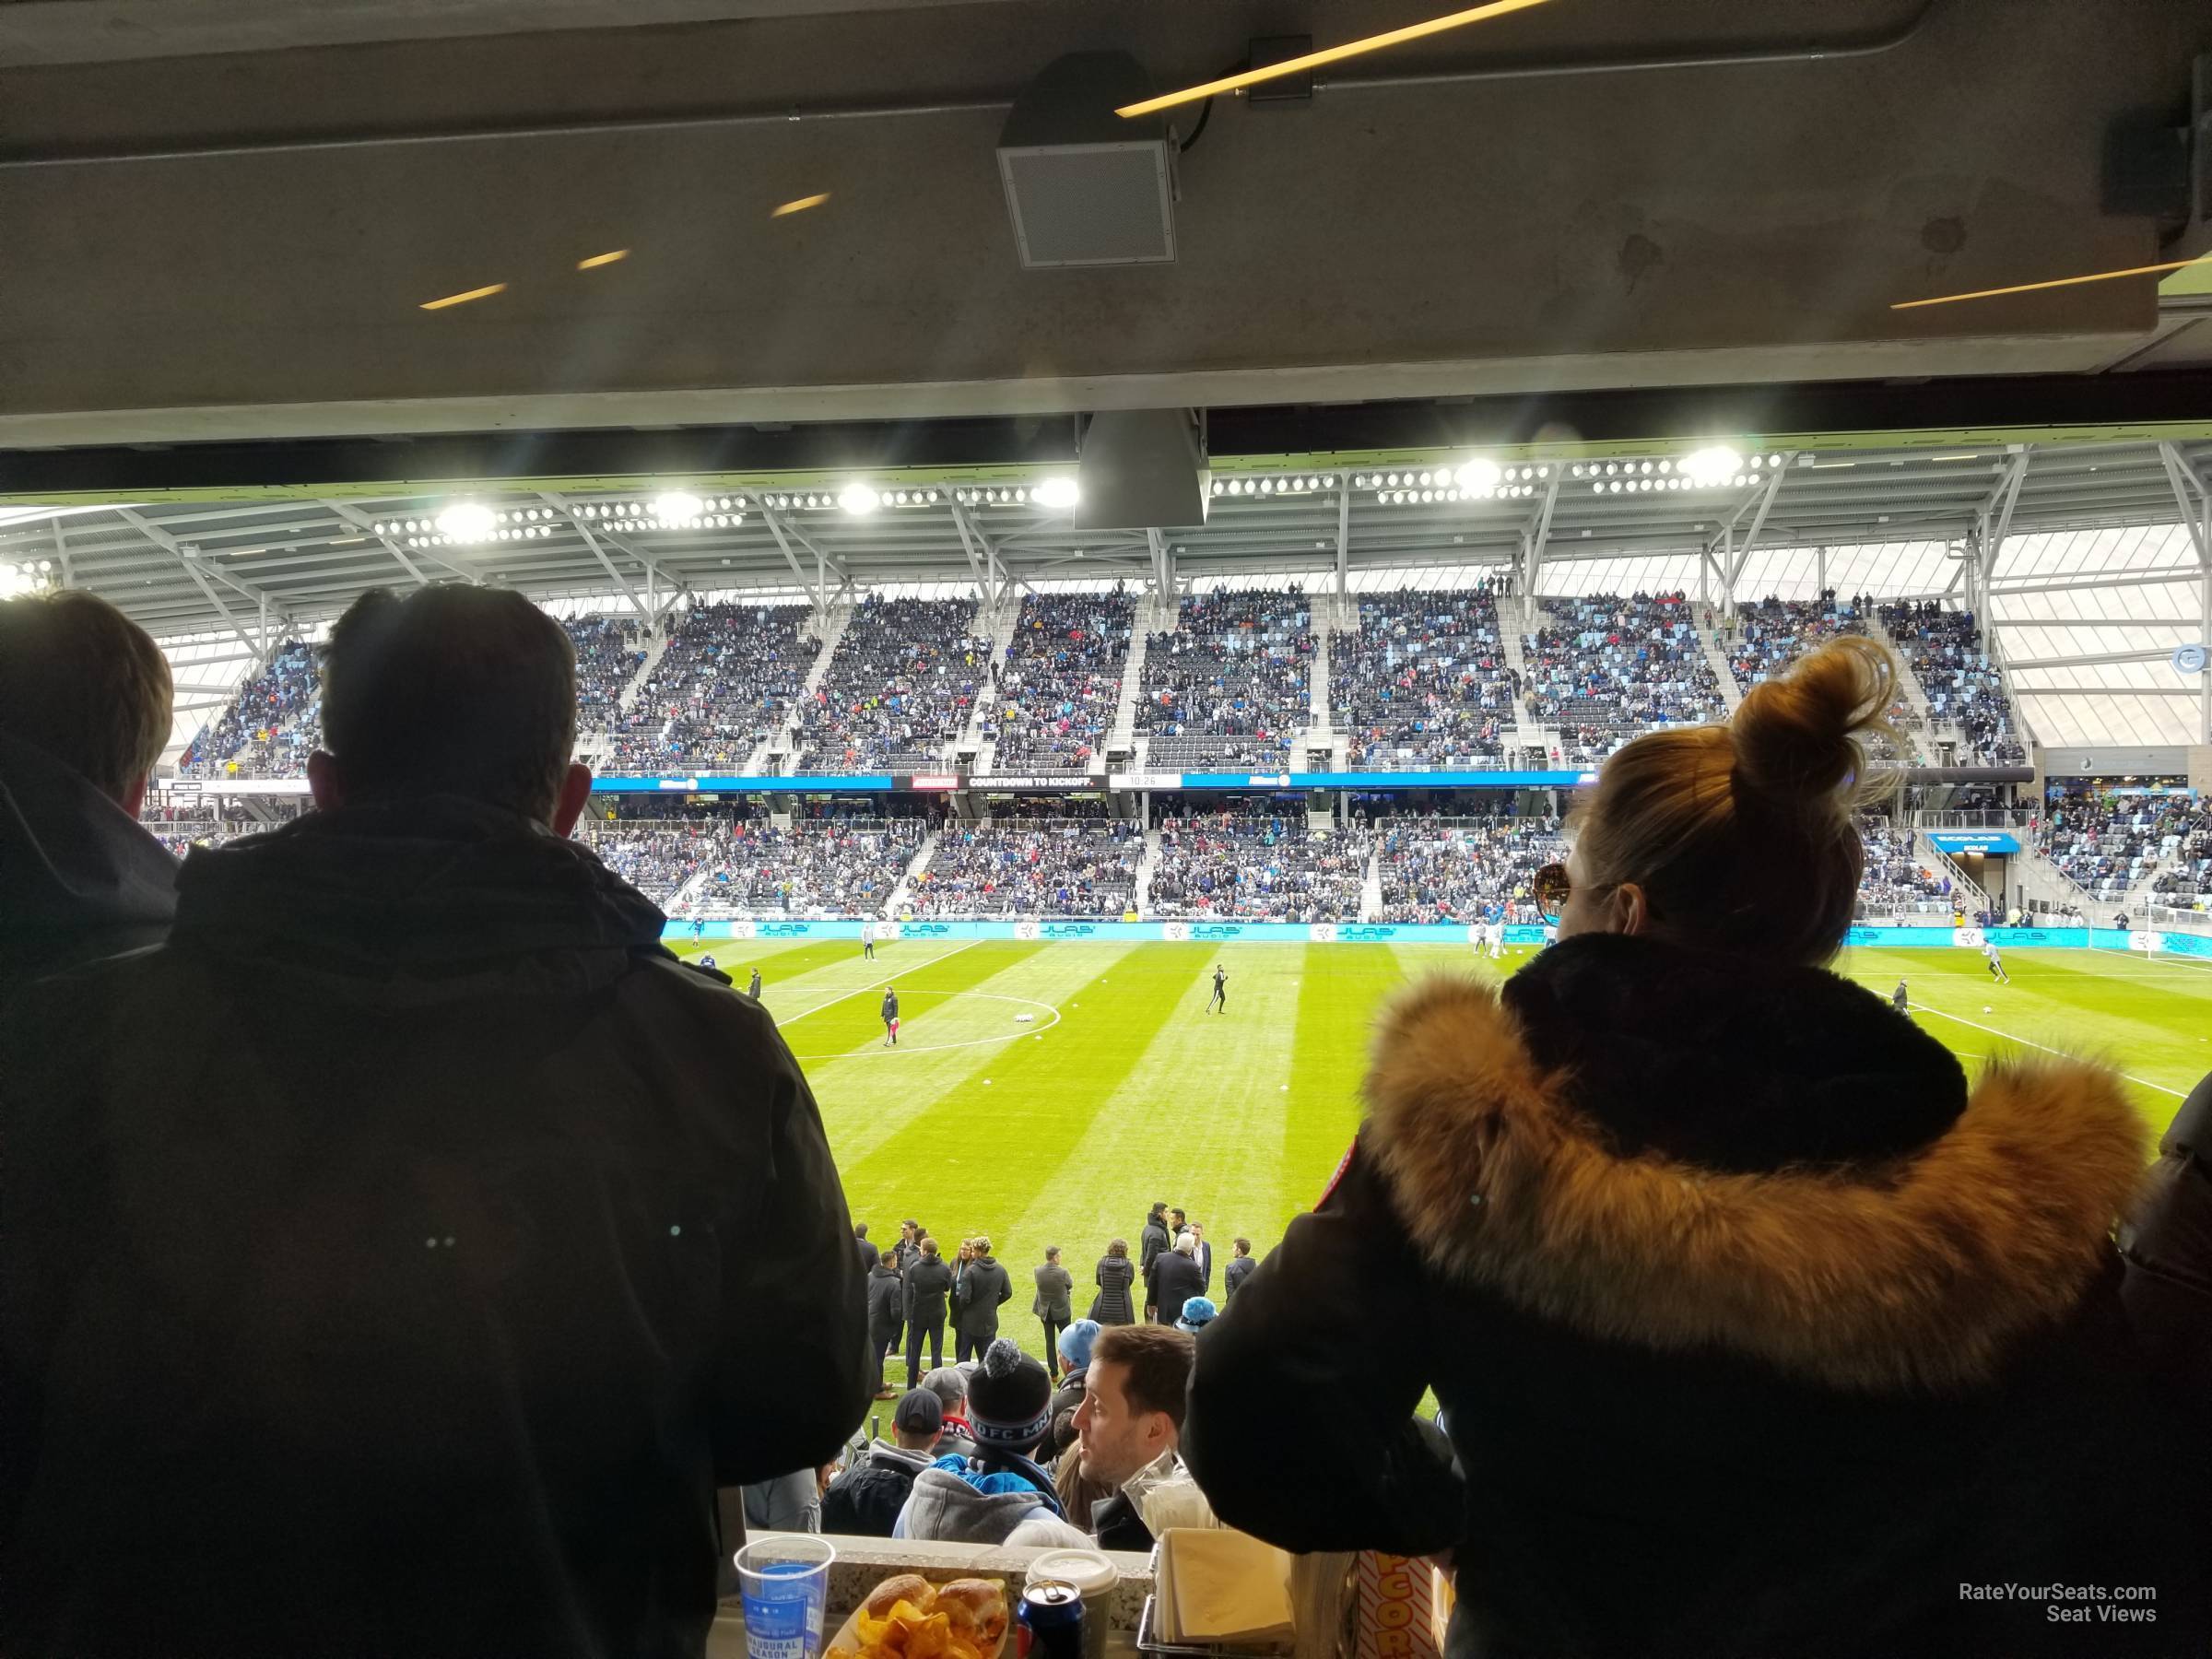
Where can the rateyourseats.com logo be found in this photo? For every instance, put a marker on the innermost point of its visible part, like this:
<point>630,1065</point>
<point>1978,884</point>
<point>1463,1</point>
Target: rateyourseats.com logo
<point>2074,1604</point>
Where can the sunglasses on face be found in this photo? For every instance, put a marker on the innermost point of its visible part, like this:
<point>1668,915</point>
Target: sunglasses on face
<point>1552,887</point>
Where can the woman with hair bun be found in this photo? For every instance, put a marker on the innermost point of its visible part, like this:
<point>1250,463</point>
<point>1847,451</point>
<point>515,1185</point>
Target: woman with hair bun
<point>1758,1329</point>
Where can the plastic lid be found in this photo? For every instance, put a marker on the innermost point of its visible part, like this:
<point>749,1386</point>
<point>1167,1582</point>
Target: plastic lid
<point>1091,1572</point>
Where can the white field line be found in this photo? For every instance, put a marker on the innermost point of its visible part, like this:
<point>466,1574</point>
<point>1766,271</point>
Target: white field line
<point>905,973</point>
<point>1957,1019</point>
<point>870,1049</point>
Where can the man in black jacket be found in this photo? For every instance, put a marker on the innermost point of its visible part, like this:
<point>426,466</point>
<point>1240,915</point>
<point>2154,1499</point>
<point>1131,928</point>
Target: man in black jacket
<point>865,1499</point>
<point>983,1286</point>
<point>85,699</point>
<point>388,1244</point>
<point>928,1282</point>
<point>1175,1281</point>
<point>1238,1269</point>
<point>1053,1305</point>
<point>887,1298</point>
<point>1149,1243</point>
<point>867,1251</point>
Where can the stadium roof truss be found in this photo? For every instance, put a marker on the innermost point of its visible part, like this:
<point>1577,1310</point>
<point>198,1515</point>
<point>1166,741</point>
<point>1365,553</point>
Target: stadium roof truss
<point>2091,555</point>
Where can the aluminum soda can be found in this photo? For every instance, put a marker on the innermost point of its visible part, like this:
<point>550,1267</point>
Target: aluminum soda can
<point>1052,1621</point>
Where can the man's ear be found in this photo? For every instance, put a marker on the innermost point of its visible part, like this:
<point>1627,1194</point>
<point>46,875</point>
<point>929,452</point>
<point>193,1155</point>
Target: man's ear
<point>323,784</point>
<point>133,799</point>
<point>575,789</point>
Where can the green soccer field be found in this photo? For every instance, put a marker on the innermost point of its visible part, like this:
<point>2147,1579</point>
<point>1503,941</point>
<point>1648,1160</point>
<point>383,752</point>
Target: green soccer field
<point>1118,1088</point>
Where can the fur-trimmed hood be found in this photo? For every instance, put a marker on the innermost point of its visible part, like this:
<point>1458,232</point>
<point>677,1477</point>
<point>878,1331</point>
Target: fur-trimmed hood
<point>1860,1221</point>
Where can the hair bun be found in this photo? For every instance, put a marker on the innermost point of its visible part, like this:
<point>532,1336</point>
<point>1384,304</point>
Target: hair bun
<point>1799,739</point>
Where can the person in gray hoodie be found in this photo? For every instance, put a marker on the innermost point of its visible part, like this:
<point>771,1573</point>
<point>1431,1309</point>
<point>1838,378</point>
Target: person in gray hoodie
<point>84,709</point>
<point>981,1500</point>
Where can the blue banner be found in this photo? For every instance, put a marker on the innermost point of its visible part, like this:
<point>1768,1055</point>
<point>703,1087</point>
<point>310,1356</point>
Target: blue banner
<point>1974,840</point>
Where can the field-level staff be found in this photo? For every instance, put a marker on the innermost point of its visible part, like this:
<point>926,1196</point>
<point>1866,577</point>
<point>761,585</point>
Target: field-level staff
<point>891,1017</point>
<point>1219,1000</point>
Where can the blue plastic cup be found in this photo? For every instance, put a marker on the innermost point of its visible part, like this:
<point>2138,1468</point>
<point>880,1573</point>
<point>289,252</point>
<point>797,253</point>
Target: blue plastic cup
<point>784,1582</point>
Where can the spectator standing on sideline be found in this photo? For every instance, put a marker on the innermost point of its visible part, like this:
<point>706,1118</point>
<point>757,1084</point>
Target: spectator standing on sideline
<point>84,700</point>
<point>891,1017</point>
<point>982,1288</point>
<point>865,1499</point>
<point>1636,1171</point>
<point>867,1251</point>
<point>887,1296</point>
<point>1175,1280</point>
<point>327,1224</point>
<point>1218,1002</point>
<point>1053,1306</point>
<point>1238,1269</point>
<point>867,940</point>
<point>1154,1239</point>
<point>928,1282</point>
<point>1115,1303</point>
<point>1204,1255</point>
<point>1130,1425</point>
<point>1074,1355</point>
<point>1898,998</point>
<point>753,990</point>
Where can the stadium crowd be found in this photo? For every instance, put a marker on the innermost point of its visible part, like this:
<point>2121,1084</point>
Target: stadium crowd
<point>1424,681</point>
<point>847,868</point>
<point>1061,867</point>
<point>1231,683</point>
<point>1603,668</point>
<point>725,684</point>
<point>1894,882</point>
<point>1463,870</point>
<point>899,687</point>
<point>609,651</point>
<point>1944,648</point>
<point>1765,637</point>
<point>268,728</point>
<point>2108,840</point>
<point>1062,682</point>
<point>1258,869</point>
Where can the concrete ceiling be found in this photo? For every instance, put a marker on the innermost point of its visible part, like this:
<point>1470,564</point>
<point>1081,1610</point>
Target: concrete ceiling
<point>237,245</point>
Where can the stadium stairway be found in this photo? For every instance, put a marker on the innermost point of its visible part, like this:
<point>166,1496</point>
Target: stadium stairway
<point>1328,620</point>
<point>1731,693</point>
<point>2040,879</point>
<point>1917,695</point>
<point>1371,885</point>
<point>1151,615</point>
<point>656,647</point>
<point>1934,858</point>
<point>1148,861</point>
<point>1515,617</point>
<point>780,753</point>
<point>919,863</point>
<point>975,737</point>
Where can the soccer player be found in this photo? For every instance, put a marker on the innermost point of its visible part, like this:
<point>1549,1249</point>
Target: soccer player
<point>867,940</point>
<point>1897,997</point>
<point>699,929</point>
<point>891,1017</point>
<point>1219,1000</point>
<point>706,961</point>
<point>1496,933</point>
<point>1996,962</point>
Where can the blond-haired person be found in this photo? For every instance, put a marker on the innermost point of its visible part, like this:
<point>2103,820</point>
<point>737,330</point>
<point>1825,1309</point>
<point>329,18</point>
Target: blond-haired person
<point>1755,1327</point>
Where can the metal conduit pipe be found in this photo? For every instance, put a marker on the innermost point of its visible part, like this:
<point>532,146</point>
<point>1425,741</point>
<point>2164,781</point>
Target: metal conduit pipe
<point>92,156</point>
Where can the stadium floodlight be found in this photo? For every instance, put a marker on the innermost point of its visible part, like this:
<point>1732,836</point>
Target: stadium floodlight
<point>859,499</point>
<point>1479,476</point>
<point>1058,494</point>
<point>677,507</point>
<point>466,521</point>
<point>1716,464</point>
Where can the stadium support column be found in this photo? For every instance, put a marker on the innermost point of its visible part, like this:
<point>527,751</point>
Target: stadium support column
<point>1537,535</point>
<point>1344,535</point>
<point>2192,499</point>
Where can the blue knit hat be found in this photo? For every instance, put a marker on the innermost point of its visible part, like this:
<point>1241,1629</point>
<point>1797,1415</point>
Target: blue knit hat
<point>1010,1399</point>
<point>1197,1313</point>
<point>1075,1343</point>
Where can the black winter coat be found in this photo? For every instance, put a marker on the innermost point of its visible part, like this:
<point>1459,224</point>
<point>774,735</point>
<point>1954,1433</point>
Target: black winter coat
<point>928,1283</point>
<point>865,1499</point>
<point>385,1247</point>
<point>869,1254</point>
<point>1235,1274</point>
<point>1112,1305</point>
<point>1175,1279</point>
<point>1149,1243</point>
<point>886,1303</point>
<point>1754,1331</point>
<point>982,1288</point>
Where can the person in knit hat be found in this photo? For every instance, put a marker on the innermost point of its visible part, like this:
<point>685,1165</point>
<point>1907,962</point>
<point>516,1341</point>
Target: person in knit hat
<point>981,1500</point>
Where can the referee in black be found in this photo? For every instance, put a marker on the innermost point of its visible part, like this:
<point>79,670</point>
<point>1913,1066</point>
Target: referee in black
<point>1220,997</point>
